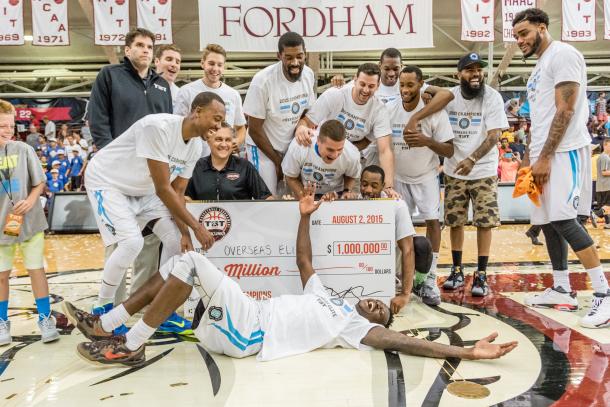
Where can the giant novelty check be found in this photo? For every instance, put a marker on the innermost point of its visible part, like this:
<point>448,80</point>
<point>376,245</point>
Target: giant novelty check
<point>353,246</point>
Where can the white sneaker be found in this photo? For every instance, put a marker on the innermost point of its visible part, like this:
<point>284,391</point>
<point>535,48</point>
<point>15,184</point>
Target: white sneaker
<point>599,315</point>
<point>48,330</point>
<point>556,298</point>
<point>5,332</point>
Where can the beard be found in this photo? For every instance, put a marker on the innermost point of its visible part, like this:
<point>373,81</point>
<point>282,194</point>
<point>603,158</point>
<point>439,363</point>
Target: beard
<point>470,92</point>
<point>535,46</point>
<point>291,76</point>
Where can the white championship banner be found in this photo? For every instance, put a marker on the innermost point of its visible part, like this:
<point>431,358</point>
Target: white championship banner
<point>11,22</point>
<point>111,21</point>
<point>578,20</point>
<point>353,246</point>
<point>510,8</point>
<point>607,19</point>
<point>156,16</point>
<point>326,25</point>
<point>478,20</point>
<point>50,23</point>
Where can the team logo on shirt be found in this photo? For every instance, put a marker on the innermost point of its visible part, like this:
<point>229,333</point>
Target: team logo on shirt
<point>217,221</point>
<point>215,313</point>
<point>232,176</point>
<point>349,124</point>
<point>464,123</point>
<point>575,202</point>
<point>295,108</point>
<point>317,176</point>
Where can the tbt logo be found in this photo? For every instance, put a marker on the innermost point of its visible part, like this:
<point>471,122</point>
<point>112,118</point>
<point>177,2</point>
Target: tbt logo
<point>217,221</point>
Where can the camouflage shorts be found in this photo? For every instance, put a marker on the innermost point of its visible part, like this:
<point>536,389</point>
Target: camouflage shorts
<point>484,196</point>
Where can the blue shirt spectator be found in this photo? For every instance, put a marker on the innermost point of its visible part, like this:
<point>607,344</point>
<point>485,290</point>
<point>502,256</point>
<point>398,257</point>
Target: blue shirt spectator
<point>76,165</point>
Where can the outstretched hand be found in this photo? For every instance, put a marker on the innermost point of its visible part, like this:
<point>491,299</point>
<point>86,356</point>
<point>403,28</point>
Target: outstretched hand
<point>485,349</point>
<point>307,205</point>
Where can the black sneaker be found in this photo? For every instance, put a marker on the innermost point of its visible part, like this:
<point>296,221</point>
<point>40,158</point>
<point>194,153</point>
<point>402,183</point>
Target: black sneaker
<point>455,279</point>
<point>111,352</point>
<point>535,240</point>
<point>479,284</point>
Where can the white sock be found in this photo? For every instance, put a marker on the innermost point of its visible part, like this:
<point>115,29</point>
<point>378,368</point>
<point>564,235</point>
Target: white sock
<point>598,280</point>
<point>561,278</point>
<point>115,318</point>
<point>138,334</point>
<point>432,272</point>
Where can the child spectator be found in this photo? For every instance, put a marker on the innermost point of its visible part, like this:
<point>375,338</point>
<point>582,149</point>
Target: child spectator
<point>22,223</point>
<point>64,163</point>
<point>53,147</point>
<point>504,147</point>
<point>55,184</point>
<point>75,171</point>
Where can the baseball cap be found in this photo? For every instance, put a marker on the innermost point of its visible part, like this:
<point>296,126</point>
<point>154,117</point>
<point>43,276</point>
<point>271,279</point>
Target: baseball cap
<point>469,59</point>
<point>54,171</point>
<point>60,151</point>
<point>55,162</point>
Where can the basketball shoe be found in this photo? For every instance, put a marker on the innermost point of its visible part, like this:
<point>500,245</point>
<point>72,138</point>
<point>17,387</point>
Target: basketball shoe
<point>455,279</point>
<point>599,315</point>
<point>90,325</point>
<point>111,351</point>
<point>552,297</point>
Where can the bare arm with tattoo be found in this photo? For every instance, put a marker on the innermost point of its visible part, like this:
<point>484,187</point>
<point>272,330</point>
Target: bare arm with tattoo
<point>566,94</point>
<point>465,166</point>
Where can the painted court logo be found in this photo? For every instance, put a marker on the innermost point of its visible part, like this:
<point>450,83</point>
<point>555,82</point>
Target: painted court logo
<point>217,221</point>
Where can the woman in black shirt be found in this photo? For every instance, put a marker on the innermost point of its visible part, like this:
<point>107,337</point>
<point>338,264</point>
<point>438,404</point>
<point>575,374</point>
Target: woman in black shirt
<point>224,176</point>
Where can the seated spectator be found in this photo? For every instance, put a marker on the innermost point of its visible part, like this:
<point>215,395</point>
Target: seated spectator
<point>330,161</point>
<point>52,149</point>
<point>64,163</point>
<point>518,148</point>
<point>508,167</point>
<point>54,185</point>
<point>75,171</point>
<point>504,147</point>
<point>33,137</point>
<point>224,176</point>
<point>509,134</point>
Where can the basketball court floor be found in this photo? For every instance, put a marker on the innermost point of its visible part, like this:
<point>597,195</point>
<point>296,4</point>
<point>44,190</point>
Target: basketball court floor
<point>556,363</point>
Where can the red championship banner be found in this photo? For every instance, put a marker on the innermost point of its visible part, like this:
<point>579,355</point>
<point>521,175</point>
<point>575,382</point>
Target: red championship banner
<point>478,20</point>
<point>111,21</point>
<point>11,22</point>
<point>156,16</point>
<point>510,8</point>
<point>578,20</point>
<point>607,19</point>
<point>50,23</point>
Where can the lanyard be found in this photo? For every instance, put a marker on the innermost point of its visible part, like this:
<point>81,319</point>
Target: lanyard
<point>9,192</point>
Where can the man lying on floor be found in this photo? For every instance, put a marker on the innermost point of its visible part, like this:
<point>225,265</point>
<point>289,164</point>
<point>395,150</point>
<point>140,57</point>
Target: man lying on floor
<point>238,326</point>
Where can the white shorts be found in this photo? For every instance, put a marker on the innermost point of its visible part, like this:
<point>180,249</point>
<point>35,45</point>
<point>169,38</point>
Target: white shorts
<point>265,168</point>
<point>370,155</point>
<point>568,192</point>
<point>230,324</point>
<point>426,197</point>
<point>120,216</point>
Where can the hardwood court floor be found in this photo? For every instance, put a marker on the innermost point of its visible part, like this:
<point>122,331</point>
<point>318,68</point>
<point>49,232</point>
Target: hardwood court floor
<point>557,362</point>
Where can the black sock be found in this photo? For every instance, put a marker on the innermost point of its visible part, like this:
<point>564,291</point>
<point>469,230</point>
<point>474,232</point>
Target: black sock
<point>482,266</point>
<point>457,258</point>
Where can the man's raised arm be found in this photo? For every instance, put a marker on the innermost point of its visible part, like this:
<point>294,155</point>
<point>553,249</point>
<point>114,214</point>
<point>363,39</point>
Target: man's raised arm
<point>307,206</point>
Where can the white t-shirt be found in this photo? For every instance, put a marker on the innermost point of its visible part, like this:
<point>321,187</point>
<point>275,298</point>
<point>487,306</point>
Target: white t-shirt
<point>402,218</point>
<point>307,163</point>
<point>388,94</point>
<point>471,120</point>
<point>174,89</point>
<point>122,165</point>
<point>49,129</point>
<point>233,105</point>
<point>560,62</point>
<point>279,102</point>
<point>370,120</point>
<point>295,324</point>
<point>418,164</point>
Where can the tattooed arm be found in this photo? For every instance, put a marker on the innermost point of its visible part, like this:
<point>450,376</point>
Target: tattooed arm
<point>465,166</point>
<point>566,94</point>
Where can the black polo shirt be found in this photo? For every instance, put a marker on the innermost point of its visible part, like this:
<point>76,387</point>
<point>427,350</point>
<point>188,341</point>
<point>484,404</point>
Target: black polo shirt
<point>238,180</point>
